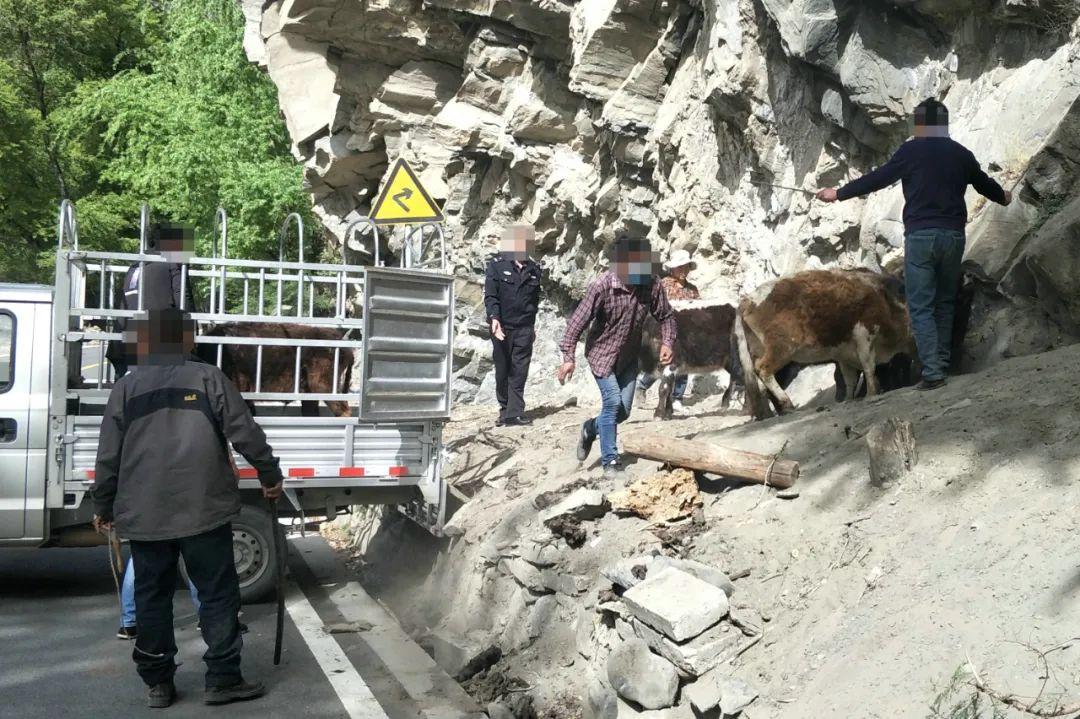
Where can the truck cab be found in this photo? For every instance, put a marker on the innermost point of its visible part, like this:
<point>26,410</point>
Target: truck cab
<point>25,318</point>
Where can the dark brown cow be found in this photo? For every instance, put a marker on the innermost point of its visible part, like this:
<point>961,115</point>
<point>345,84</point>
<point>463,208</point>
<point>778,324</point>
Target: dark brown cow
<point>238,362</point>
<point>703,345</point>
<point>855,318</point>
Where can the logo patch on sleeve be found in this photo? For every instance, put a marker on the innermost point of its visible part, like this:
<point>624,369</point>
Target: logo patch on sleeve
<point>190,398</point>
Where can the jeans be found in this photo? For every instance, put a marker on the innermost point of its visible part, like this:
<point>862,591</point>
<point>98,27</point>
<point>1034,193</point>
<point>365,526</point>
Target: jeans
<point>127,596</point>
<point>644,381</point>
<point>932,274</point>
<point>617,396</point>
<point>209,561</point>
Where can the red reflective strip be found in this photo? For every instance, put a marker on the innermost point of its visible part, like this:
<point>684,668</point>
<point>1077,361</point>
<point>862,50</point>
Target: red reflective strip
<point>398,471</point>
<point>352,472</point>
<point>91,475</point>
<point>302,472</point>
<point>247,473</point>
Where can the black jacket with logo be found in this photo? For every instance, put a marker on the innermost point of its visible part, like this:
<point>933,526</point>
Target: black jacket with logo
<point>512,295</point>
<point>163,469</point>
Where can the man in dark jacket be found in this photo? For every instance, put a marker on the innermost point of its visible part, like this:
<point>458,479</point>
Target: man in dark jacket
<point>163,283</point>
<point>164,480</point>
<point>935,171</point>
<point>511,296</point>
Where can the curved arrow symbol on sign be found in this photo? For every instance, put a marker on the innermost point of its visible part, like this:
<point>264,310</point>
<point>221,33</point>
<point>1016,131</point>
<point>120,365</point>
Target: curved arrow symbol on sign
<point>407,194</point>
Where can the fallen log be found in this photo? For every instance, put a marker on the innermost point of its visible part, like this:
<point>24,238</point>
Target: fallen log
<point>706,457</point>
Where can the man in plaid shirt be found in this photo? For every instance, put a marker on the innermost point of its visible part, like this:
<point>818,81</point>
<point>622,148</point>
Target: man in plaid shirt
<point>616,304</point>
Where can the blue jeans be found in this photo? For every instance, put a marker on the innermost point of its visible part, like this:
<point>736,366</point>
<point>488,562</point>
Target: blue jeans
<point>932,274</point>
<point>644,381</point>
<point>127,596</point>
<point>617,395</point>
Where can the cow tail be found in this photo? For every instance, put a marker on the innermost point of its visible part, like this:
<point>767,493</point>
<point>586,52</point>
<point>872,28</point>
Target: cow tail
<point>756,401</point>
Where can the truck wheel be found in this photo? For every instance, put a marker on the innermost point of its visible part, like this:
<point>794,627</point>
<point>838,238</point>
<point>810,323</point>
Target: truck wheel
<point>253,553</point>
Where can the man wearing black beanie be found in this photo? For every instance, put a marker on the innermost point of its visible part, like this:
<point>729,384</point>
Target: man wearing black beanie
<point>935,171</point>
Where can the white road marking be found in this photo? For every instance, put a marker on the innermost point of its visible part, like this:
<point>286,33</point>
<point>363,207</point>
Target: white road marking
<point>354,694</point>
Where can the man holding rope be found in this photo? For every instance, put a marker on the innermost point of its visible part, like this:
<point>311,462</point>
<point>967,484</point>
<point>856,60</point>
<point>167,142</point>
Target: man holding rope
<point>165,482</point>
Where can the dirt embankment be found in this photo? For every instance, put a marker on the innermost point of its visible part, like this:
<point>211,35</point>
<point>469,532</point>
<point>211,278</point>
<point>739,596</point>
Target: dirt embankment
<point>870,598</point>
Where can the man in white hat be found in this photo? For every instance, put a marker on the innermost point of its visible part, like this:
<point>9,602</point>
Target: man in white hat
<point>677,287</point>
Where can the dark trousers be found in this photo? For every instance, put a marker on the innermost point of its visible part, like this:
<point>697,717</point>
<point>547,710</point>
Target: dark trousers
<point>209,561</point>
<point>512,356</point>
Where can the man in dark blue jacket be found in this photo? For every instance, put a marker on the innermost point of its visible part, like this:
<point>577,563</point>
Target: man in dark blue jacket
<point>935,171</point>
<point>511,297</point>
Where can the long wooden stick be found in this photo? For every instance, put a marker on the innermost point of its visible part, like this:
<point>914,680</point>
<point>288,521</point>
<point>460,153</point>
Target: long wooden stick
<point>707,457</point>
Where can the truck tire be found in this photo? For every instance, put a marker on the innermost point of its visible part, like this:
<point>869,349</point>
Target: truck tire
<point>253,553</point>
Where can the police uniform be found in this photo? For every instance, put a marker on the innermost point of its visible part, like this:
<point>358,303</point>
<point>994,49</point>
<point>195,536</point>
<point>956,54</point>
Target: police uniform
<point>511,296</point>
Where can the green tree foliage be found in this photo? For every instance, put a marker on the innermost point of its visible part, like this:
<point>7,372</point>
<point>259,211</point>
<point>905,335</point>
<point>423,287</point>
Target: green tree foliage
<point>113,103</point>
<point>47,48</point>
<point>197,130</point>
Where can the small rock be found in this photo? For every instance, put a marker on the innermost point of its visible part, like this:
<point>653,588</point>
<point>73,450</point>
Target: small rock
<point>642,677</point>
<point>459,657</point>
<point>347,627</point>
<point>714,689</point>
<point>582,504</point>
<point>601,702</point>
<point>498,710</point>
<point>543,613</point>
<point>788,494</point>
<point>677,603</point>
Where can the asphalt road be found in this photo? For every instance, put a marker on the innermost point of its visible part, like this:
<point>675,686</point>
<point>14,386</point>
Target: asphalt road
<point>59,656</point>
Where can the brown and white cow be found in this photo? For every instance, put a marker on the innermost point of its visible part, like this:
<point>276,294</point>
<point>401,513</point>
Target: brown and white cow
<point>238,362</point>
<point>855,318</point>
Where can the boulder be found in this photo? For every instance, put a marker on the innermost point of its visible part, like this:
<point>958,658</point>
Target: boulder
<point>637,674</point>
<point>660,497</point>
<point>694,657</point>
<point>676,603</point>
<point>717,689</point>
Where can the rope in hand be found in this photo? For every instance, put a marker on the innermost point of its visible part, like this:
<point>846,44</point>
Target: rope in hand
<point>116,566</point>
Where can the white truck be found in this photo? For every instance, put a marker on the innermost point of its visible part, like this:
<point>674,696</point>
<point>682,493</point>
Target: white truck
<point>387,452</point>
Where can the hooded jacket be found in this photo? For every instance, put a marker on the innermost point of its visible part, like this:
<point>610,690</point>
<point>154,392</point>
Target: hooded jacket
<point>163,468</point>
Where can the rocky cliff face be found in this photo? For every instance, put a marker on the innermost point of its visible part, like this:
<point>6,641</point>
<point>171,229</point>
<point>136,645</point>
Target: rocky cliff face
<point>676,118</point>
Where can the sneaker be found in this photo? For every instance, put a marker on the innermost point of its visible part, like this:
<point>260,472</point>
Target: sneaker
<point>241,691</point>
<point>678,407</point>
<point>126,633</point>
<point>613,470</point>
<point>521,421</point>
<point>161,695</point>
<point>585,443</point>
<point>929,384</point>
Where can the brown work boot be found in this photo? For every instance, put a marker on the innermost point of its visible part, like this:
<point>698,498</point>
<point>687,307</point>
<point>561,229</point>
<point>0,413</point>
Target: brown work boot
<point>161,695</point>
<point>241,691</point>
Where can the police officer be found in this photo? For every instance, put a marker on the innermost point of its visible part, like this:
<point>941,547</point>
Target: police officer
<point>163,284</point>
<point>165,482</point>
<point>511,296</point>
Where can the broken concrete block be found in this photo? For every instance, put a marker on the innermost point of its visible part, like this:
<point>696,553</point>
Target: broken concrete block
<point>581,504</point>
<point>677,603</point>
<point>568,584</point>
<point>704,572</point>
<point>628,572</point>
<point>639,675</point>
<point>695,657</point>
<point>704,694</point>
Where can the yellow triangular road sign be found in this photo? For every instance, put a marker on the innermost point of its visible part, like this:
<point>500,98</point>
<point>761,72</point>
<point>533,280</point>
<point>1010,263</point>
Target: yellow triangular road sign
<point>403,200</point>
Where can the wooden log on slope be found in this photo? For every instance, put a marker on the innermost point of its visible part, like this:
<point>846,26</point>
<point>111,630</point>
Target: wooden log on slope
<point>707,457</point>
